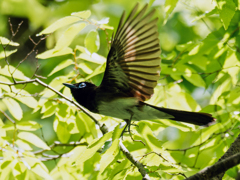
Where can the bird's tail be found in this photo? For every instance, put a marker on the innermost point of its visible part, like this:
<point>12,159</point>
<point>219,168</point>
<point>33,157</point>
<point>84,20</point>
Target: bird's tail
<point>197,118</point>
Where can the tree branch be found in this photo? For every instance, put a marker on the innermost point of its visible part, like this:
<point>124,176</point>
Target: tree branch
<point>139,165</point>
<point>217,168</point>
<point>234,149</point>
<point>103,127</point>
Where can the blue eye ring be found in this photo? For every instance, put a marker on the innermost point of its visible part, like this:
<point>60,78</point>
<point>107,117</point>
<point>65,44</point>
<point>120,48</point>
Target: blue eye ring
<point>82,85</point>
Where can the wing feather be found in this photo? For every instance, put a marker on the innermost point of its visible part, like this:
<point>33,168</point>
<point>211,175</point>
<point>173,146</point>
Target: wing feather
<point>133,63</point>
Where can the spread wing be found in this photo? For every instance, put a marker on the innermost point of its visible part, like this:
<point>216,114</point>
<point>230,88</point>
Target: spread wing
<point>133,63</point>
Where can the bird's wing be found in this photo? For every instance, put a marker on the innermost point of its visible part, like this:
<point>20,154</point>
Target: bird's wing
<point>133,63</point>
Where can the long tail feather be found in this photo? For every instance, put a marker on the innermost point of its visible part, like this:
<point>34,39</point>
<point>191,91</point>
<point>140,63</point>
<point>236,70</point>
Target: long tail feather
<point>197,118</point>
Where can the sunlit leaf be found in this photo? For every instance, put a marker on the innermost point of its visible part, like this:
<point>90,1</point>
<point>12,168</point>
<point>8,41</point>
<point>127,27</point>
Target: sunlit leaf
<point>62,131</point>
<point>226,85</point>
<point>48,109</point>
<point>6,168</point>
<point>14,108</point>
<point>61,66</point>
<point>38,169</point>
<point>100,69</point>
<point>24,145</point>
<point>27,99</point>
<point>105,26</point>
<point>226,11</point>
<point>5,54</point>
<point>93,147</point>
<point>85,68</point>
<point>56,83</point>
<point>206,14</point>
<point>169,7</point>
<point>59,24</point>
<point>82,14</point>
<point>195,79</point>
<point>28,125</point>
<point>109,155</point>
<point>5,41</point>
<point>119,172</point>
<point>92,58</point>
<point>33,139</point>
<point>19,170</point>
<point>92,41</point>
<point>53,53</point>
<point>17,74</point>
<point>68,36</point>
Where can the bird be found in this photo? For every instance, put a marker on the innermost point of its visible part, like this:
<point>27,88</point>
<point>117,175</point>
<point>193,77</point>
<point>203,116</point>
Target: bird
<point>131,74</point>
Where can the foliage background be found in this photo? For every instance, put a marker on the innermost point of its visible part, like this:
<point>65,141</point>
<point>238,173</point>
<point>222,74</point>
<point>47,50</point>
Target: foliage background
<point>43,136</point>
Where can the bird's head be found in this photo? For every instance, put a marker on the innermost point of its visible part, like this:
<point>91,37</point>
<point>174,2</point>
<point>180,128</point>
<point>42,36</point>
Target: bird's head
<point>81,91</point>
<point>79,87</point>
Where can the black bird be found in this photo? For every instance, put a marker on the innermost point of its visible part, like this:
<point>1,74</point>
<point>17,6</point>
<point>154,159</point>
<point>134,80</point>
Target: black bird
<point>132,71</point>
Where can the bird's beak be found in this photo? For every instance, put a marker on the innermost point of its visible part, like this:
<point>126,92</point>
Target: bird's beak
<point>71,86</point>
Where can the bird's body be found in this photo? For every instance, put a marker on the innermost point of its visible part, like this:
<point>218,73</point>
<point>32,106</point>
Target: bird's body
<point>132,71</point>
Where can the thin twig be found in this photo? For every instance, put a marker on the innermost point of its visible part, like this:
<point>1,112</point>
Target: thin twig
<point>103,127</point>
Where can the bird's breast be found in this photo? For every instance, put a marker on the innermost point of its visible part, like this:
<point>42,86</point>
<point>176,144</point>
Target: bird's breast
<point>126,108</point>
<point>119,108</point>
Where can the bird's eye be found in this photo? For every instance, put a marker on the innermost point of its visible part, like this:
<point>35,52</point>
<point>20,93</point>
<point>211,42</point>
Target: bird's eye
<point>82,85</point>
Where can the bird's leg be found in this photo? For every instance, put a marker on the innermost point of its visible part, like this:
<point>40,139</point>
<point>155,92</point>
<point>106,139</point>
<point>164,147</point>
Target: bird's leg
<point>128,125</point>
<point>124,129</point>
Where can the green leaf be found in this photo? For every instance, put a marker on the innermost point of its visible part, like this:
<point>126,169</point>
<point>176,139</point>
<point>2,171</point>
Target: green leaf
<point>85,68</point>
<point>186,47</point>
<point>33,139</point>
<point>226,10</point>
<point>62,131</point>
<point>181,100</point>
<point>17,74</point>
<point>28,100</point>
<point>231,60</point>
<point>92,58</point>
<point>206,14</point>
<point>68,36</point>
<point>82,14</point>
<point>202,48</point>
<point>14,108</point>
<point>24,145</point>
<point>59,24</point>
<point>117,132</point>
<point>49,108</point>
<point>109,156</point>
<point>93,147</point>
<point>19,171</point>
<point>28,126</point>
<point>5,41</point>
<point>192,76</point>
<point>92,41</point>
<point>61,66</point>
<point>6,168</point>
<point>226,85</point>
<point>40,171</point>
<point>56,83</point>
<point>169,7</point>
<point>120,170</point>
<point>53,53</point>
<point>4,87</point>
<point>195,79</point>
<point>5,54</point>
<point>89,125</point>
<point>100,69</point>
